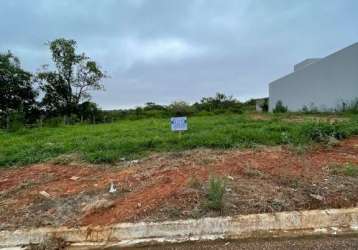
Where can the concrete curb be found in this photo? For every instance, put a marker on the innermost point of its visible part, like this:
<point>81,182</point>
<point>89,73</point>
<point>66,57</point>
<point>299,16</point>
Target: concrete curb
<point>284,224</point>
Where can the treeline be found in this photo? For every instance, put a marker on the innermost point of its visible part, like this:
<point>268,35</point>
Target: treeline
<point>58,93</point>
<point>219,104</point>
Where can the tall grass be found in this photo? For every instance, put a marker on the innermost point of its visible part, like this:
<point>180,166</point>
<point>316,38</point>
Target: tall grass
<point>108,143</point>
<point>216,192</point>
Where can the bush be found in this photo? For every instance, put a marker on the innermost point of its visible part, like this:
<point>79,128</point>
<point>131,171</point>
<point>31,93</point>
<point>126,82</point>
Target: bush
<point>17,121</point>
<point>54,122</point>
<point>280,108</point>
<point>180,108</point>
<point>216,192</point>
<point>311,109</point>
<point>321,132</point>
<point>351,107</point>
<point>265,105</point>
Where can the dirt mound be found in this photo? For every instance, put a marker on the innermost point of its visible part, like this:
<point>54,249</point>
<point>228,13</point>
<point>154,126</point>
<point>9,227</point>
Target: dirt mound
<point>173,186</point>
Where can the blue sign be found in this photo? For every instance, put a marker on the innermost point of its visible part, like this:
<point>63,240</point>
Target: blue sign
<point>179,123</point>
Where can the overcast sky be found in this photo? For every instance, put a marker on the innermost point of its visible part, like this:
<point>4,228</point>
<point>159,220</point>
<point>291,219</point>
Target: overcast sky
<point>166,50</point>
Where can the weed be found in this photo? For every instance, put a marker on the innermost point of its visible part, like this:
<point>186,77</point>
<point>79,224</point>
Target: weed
<point>322,132</point>
<point>216,192</point>
<point>346,170</point>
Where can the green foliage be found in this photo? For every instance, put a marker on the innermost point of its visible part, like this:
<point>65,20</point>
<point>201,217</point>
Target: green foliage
<point>180,108</point>
<point>17,121</point>
<point>265,105</point>
<point>17,94</point>
<point>69,85</point>
<point>54,122</point>
<point>220,103</point>
<point>216,192</point>
<point>321,132</point>
<point>311,109</point>
<point>280,108</point>
<point>350,107</point>
<point>135,138</point>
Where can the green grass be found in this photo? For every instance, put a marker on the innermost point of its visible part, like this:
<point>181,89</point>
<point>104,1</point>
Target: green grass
<point>108,143</point>
<point>216,192</point>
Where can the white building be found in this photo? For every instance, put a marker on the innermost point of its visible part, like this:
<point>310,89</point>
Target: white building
<point>319,83</point>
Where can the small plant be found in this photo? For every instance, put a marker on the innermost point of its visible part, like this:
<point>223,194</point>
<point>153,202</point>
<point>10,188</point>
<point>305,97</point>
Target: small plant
<point>346,170</point>
<point>280,108</point>
<point>321,132</point>
<point>216,192</point>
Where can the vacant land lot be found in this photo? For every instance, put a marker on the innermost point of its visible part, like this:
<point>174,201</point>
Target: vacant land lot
<point>111,143</point>
<point>224,165</point>
<point>262,163</point>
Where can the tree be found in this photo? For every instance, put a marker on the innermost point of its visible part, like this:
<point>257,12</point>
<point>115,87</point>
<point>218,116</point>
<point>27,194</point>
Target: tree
<point>280,108</point>
<point>16,88</point>
<point>75,75</point>
<point>180,108</point>
<point>88,111</point>
<point>219,101</point>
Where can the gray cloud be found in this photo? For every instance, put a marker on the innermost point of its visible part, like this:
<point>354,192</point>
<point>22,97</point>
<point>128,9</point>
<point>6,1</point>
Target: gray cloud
<point>165,50</point>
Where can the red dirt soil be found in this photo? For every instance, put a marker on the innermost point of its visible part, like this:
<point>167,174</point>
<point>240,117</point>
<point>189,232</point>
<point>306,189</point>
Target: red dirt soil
<point>159,181</point>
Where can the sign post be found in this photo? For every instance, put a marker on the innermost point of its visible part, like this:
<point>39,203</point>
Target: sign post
<point>179,124</point>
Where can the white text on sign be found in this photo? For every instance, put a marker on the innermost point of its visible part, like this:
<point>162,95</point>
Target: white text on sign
<point>179,123</point>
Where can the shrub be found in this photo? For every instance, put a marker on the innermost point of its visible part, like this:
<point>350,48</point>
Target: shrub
<point>54,122</point>
<point>265,105</point>
<point>216,192</point>
<point>17,121</point>
<point>311,109</point>
<point>352,107</point>
<point>180,108</point>
<point>280,108</point>
<point>321,132</point>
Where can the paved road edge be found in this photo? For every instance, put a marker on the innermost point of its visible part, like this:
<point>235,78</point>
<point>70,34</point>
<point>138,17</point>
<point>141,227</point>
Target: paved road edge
<point>283,224</point>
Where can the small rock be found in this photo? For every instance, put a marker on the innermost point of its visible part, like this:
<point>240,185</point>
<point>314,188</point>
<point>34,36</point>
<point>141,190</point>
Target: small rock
<point>230,177</point>
<point>134,162</point>
<point>74,178</point>
<point>45,194</point>
<point>139,205</point>
<point>317,197</point>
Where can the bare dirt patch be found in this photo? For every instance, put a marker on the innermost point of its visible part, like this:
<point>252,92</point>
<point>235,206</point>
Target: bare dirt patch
<point>174,186</point>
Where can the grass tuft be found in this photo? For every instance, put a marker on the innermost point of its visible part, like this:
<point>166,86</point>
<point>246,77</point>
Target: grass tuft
<point>216,192</point>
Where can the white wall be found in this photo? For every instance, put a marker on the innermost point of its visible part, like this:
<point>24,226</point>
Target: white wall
<point>324,84</point>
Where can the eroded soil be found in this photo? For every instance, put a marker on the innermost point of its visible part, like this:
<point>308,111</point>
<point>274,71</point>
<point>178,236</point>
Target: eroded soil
<point>174,186</point>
